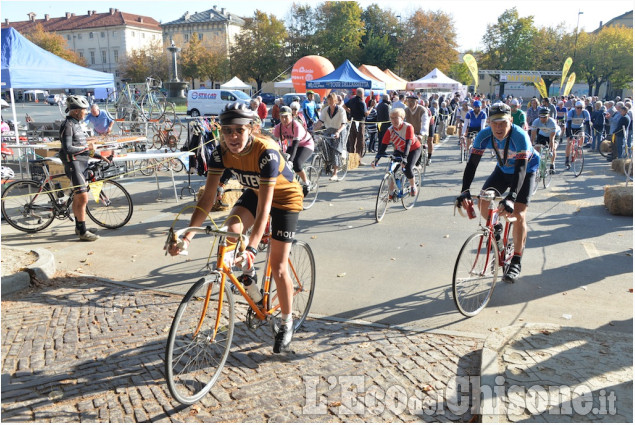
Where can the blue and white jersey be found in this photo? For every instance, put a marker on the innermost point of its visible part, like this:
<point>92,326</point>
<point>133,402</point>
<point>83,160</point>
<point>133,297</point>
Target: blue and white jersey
<point>551,126</point>
<point>578,120</point>
<point>519,148</point>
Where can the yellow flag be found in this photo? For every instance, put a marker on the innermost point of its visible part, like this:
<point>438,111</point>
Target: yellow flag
<point>473,67</point>
<point>95,189</point>
<point>570,83</point>
<point>565,70</point>
<point>542,88</point>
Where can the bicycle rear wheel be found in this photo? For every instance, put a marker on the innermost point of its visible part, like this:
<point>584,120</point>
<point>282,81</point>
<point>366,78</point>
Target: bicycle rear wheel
<point>114,207</point>
<point>313,187</point>
<point>341,172</point>
<point>25,208</point>
<point>606,148</point>
<point>318,163</point>
<point>145,166</point>
<point>577,158</point>
<point>509,248</point>
<point>302,272</point>
<point>407,200</point>
<point>383,197</point>
<point>548,174</point>
<point>153,105</point>
<point>196,352</point>
<point>475,274</point>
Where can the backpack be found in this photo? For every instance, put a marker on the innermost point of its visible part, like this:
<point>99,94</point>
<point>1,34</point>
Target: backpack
<point>202,142</point>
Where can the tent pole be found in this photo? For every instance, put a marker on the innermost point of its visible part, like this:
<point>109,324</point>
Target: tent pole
<point>15,129</point>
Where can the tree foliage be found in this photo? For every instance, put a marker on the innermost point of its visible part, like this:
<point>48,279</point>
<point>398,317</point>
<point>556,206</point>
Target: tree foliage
<point>259,48</point>
<point>430,41</point>
<point>508,42</point>
<point>194,60</point>
<point>149,61</point>
<point>301,32</point>
<point>339,31</point>
<point>382,39</point>
<point>53,43</point>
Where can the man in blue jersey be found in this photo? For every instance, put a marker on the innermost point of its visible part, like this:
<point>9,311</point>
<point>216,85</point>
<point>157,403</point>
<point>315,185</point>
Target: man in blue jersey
<point>309,110</point>
<point>578,119</point>
<point>517,162</point>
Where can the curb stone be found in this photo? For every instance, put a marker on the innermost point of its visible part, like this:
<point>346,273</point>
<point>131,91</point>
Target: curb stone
<point>41,270</point>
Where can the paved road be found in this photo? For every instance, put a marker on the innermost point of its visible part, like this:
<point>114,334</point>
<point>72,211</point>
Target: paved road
<point>578,260</point>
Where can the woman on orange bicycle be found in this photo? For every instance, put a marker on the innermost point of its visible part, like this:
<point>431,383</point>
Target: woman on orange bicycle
<point>259,165</point>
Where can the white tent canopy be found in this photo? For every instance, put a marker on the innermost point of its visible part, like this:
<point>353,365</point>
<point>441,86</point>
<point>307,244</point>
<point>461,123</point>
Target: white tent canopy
<point>284,84</point>
<point>434,80</point>
<point>235,84</point>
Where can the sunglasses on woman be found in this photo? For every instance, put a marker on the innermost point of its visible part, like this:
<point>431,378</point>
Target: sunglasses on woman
<point>229,130</point>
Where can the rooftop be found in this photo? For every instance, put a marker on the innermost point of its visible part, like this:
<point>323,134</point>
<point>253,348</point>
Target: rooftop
<point>92,19</point>
<point>212,15</point>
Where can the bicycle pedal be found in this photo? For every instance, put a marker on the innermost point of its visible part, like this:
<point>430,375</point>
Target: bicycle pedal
<point>252,320</point>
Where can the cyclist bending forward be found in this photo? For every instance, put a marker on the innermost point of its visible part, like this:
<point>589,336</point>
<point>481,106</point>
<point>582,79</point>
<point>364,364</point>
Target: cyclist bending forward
<point>407,146</point>
<point>577,119</point>
<point>546,131</point>
<point>516,168</point>
<point>259,166</point>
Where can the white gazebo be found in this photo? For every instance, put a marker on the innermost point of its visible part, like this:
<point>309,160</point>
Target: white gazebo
<point>235,84</point>
<point>435,80</point>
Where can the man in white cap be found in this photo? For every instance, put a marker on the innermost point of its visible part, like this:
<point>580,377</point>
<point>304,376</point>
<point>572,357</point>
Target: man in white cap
<point>578,119</point>
<point>517,162</point>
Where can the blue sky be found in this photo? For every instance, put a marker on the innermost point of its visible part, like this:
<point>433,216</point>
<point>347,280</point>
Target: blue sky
<point>470,16</point>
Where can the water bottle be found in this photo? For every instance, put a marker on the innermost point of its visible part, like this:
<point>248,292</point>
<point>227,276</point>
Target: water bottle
<point>498,235</point>
<point>398,178</point>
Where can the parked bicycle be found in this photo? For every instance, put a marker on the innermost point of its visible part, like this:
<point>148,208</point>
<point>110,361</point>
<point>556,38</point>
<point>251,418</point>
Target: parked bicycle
<point>395,186</point>
<point>32,205</point>
<point>480,257</point>
<point>321,157</point>
<point>201,334</point>
<point>130,105</point>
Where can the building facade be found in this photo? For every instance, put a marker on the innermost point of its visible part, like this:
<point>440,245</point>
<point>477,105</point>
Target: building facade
<point>102,39</point>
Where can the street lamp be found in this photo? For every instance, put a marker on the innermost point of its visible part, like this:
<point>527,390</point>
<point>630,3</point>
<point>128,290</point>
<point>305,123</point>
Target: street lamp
<point>575,45</point>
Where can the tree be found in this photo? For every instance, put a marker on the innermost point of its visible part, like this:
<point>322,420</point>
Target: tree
<point>549,51</point>
<point>508,43</point>
<point>195,61</point>
<point>301,30</point>
<point>339,31</point>
<point>149,61</point>
<point>53,43</point>
<point>430,42</point>
<point>461,73</point>
<point>259,51</point>
<point>382,39</point>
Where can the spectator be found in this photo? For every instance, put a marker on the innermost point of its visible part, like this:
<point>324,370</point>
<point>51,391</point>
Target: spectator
<point>358,110</point>
<point>309,110</point>
<point>383,116</point>
<point>621,130</point>
<point>101,121</point>
<point>399,103</point>
<point>295,111</point>
<point>275,112</point>
<point>598,120</point>
<point>371,125</point>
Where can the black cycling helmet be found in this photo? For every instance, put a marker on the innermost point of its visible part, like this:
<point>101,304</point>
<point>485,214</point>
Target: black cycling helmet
<point>237,113</point>
<point>543,112</point>
<point>76,102</point>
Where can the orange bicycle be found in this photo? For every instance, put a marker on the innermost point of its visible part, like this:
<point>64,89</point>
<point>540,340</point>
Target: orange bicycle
<point>203,327</point>
<point>476,268</point>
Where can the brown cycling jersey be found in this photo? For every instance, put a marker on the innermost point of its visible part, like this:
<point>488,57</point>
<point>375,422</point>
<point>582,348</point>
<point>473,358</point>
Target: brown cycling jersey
<point>261,163</point>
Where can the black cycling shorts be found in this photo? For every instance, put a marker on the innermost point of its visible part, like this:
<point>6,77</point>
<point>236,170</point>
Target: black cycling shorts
<point>542,140</point>
<point>474,130</point>
<point>283,223</point>
<point>501,182</point>
<point>75,171</point>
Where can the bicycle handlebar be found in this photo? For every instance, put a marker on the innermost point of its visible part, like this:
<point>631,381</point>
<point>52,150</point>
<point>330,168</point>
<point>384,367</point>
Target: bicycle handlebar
<point>174,236</point>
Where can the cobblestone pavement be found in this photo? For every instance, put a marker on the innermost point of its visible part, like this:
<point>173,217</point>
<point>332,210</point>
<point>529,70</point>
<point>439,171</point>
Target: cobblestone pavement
<point>82,350</point>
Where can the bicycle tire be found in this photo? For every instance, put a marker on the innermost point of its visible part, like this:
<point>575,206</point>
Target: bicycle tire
<point>146,167</point>
<point>537,178</point>
<point>153,105</point>
<point>114,208</point>
<point>606,148</point>
<point>313,188</point>
<point>195,360</point>
<point>343,169</point>
<point>176,165</point>
<point>509,248</point>
<point>475,274</point>
<point>302,272</point>
<point>157,141</point>
<point>407,200</point>
<point>547,175</point>
<point>381,205</point>
<point>318,163</point>
<point>628,166</point>
<point>21,200</point>
<point>577,159</point>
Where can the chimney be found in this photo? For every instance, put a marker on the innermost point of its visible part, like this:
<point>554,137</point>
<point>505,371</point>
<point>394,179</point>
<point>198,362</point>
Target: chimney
<point>222,11</point>
<point>6,21</point>
<point>68,15</point>
<point>215,7</point>
<point>141,19</point>
<point>112,11</point>
<point>31,16</point>
<point>601,24</point>
<point>94,11</point>
<point>186,16</point>
<point>72,15</point>
<point>89,13</point>
<point>46,17</point>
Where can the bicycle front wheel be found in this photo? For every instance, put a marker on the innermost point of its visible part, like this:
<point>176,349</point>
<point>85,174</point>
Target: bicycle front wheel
<point>548,173</point>
<point>197,349</point>
<point>606,148</point>
<point>577,159</point>
<point>312,188</point>
<point>318,163</point>
<point>407,200</point>
<point>302,272</point>
<point>25,208</point>
<point>383,197</point>
<point>113,208</point>
<point>153,105</point>
<point>341,172</point>
<point>475,274</point>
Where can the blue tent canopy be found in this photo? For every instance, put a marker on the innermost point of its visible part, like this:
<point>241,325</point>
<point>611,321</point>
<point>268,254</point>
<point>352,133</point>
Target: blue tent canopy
<point>27,66</point>
<point>347,76</point>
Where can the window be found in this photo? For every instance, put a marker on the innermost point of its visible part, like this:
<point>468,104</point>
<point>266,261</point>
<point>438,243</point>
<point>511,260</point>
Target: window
<point>143,35</point>
<point>115,55</point>
<point>80,53</point>
<point>103,34</point>
<point>79,36</point>
<point>225,95</point>
<point>117,73</point>
<point>68,37</point>
<point>103,56</point>
<point>200,37</point>
<point>90,34</point>
<point>92,57</point>
<point>114,34</point>
<point>132,33</point>
<point>186,37</point>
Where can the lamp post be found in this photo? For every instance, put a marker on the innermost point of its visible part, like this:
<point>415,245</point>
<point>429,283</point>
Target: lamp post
<point>575,45</point>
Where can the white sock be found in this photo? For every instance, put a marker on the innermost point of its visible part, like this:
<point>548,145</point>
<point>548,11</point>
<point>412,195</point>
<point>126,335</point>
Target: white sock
<point>287,320</point>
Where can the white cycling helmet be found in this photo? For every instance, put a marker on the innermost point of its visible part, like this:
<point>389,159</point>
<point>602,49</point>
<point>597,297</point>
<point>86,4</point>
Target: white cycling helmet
<point>76,102</point>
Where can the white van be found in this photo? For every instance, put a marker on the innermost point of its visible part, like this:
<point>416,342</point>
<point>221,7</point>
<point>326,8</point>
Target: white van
<point>211,102</point>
